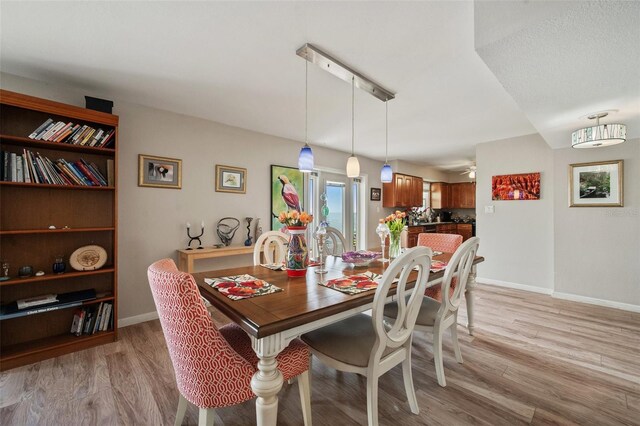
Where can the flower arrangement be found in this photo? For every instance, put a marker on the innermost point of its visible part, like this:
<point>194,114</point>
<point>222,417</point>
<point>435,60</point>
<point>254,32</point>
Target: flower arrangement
<point>295,218</point>
<point>395,222</point>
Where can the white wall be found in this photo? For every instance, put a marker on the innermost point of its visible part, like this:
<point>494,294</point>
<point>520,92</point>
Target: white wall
<point>597,250</point>
<point>517,239</point>
<point>151,220</point>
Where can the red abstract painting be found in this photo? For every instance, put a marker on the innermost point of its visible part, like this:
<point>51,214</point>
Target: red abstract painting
<point>525,186</point>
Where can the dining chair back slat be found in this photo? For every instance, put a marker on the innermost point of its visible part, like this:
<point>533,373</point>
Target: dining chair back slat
<point>273,246</point>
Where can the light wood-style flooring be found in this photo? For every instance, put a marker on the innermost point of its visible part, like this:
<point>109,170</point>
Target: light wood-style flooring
<point>533,360</point>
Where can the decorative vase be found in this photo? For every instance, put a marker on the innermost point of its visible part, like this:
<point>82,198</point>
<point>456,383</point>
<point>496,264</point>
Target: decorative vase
<point>297,252</point>
<point>394,244</point>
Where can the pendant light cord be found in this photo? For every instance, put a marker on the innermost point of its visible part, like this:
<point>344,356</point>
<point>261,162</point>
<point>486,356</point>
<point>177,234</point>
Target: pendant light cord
<point>353,109</point>
<point>386,131</point>
<point>306,101</point>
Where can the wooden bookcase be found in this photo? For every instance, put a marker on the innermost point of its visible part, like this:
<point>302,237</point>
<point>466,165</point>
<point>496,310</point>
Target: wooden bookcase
<point>26,212</point>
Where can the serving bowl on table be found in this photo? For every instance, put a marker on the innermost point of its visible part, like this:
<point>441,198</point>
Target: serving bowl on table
<point>361,258</point>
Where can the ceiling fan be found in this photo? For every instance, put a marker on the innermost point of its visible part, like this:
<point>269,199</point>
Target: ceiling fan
<point>471,171</point>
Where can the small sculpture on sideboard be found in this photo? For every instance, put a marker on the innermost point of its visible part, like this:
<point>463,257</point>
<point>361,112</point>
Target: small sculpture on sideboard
<point>195,238</point>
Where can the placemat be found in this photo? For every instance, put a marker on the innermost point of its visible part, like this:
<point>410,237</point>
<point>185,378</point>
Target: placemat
<point>238,287</point>
<point>354,284</point>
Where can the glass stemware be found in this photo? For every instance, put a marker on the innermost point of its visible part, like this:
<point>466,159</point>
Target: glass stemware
<point>383,231</point>
<point>319,235</point>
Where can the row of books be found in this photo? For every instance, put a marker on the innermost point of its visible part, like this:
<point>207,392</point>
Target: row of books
<point>92,319</point>
<point>30,167</point>
<point>75,134</point>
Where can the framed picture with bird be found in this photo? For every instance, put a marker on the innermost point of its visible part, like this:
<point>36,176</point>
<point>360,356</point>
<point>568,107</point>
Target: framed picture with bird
<point>231,179</point>
<point>287,192</point>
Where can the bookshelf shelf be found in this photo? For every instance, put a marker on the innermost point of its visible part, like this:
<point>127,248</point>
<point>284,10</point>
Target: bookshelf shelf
<point>52,277</point>
<point>32,351</point>
<point>55,231</point>
<point>28,209</point>
<point>46,185</point>
<point>30,143</point>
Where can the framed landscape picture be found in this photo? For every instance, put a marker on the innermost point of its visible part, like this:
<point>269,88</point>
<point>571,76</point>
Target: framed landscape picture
<point>287,192</point>
<point>598,184</point>
<point>159,172</point>
<point>523,186</point>
<point>231,179</point>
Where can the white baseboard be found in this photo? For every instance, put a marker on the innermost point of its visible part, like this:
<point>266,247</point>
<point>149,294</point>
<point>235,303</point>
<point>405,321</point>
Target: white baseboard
<point>515,286</point>
<point>595,301</point>
<point>124,322</point>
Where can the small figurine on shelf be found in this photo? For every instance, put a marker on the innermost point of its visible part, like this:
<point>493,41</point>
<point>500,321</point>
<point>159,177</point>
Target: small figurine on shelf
<point>226,229</point>
<point>258,230</point>
<point>59,266</point>
<point>247,242</point>
<point>5,271</point>
<point>196,238</point>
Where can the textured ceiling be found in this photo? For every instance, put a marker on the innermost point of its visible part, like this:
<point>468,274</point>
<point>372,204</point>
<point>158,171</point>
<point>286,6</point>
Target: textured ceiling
<point>235,63</point>
<point>561,61</point>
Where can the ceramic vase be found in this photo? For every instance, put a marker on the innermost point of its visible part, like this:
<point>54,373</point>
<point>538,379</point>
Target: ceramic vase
<point>297,252</point>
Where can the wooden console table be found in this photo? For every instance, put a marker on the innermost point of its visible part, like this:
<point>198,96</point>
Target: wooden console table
<point>186,257</point>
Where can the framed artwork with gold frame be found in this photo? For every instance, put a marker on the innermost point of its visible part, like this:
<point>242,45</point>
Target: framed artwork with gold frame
<point>231,179</point>
<point>159,172</point>
<point>596,184</point>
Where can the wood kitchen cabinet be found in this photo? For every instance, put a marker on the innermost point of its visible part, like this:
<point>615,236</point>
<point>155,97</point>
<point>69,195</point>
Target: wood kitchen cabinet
<point>440,195</point>
<point>412,235</point>
<point>453,195</point>
<point>403,191</point>
<point>464,229</point>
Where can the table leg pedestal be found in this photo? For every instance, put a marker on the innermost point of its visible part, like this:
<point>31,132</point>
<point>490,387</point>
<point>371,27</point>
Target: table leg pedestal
<point>471,286</point>
<point>267,381</point>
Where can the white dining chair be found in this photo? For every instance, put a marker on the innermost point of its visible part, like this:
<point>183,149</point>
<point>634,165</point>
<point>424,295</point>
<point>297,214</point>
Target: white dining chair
<point>335,243</point>
<point>273,245</point>
<point>364,345</point>
<point>438,317</point>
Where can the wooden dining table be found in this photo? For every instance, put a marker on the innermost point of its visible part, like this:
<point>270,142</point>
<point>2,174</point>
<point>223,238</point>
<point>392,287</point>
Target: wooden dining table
<point>273,320</point>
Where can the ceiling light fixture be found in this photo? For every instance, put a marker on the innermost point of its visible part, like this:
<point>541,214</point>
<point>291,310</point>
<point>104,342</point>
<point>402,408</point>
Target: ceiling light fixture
<point>305,159</point>
<point>353,165</point>
<point>343,72</point>
<point>600,134</point>
<point>386,174</point>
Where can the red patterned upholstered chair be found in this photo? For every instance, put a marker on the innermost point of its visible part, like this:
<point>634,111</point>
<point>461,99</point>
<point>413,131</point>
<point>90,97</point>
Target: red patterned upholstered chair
<point>213,366</point>
<point>447,243</point>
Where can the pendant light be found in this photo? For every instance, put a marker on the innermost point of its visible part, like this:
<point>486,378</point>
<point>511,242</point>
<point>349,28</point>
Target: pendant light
<point>386,174</point>
<point>305,159</point>
<point>353,166</point>
<point>600,134</point>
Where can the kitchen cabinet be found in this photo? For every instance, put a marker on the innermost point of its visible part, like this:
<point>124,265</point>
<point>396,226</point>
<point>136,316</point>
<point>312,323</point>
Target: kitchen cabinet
<point>440,195</point>
<point>403,191</point>
<point>453,195</point>
<point>464,229</point>
<point>413,233</point>
<point>449,228</point>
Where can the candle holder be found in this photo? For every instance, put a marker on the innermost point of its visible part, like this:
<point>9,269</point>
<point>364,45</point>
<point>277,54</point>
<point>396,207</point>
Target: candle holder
<point>320,235</point>
<point>247,242</point>
<point>195,238</point>
<point>383,231</point>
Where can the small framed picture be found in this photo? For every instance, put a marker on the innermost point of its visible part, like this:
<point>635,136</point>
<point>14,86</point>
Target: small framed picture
<point>375,194</point>
<point>159,172</point>
<point>598,184</point>
<point>231,179</point>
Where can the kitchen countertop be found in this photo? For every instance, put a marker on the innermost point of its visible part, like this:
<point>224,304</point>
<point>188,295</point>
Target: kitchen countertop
<point>438,223</point>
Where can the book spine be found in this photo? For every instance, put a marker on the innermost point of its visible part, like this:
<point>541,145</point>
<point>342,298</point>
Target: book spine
<point>44,131</point>
<point>111,181</point>
<point>52,130</point>
<point>54,171</point>
<point>85,180</point>
<point>96,172</point>
<point>96,137</point>
<point>14,174</point>
<point>78,134</point>
<point>34,168</point>
<point>26,167</point>
<point>40,128</point>
<point>19,170</point>
<point>85,171</point>
<point>83,314</point>
<point>107,138</point>
<point>59,132</point>
<point>43,170</point>
<point>98,316</point>
<point>105,314</point>
<point>38,310</point>
<point>65,168</point>
<point>87,136</point>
